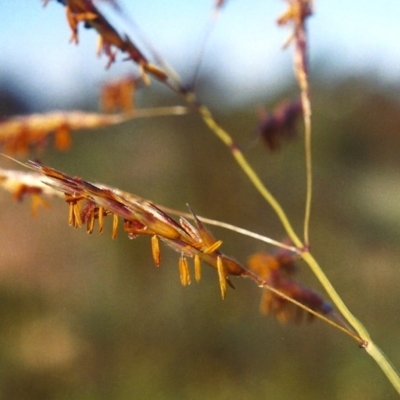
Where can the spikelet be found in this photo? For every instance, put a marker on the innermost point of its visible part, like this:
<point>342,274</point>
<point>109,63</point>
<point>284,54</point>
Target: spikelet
<point>88,203</point>
<point>295,16</point>
<point>83,11</point>
<point>276,270</point>
<point>18,134</point>
<point>31,184</point>
<point>118,95</point>
<point>280,124</point>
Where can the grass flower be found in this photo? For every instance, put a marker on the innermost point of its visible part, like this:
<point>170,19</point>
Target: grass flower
<point>85,11</point>
<point>90,203</point>
<point>280,124</point>
<point>278,270</point>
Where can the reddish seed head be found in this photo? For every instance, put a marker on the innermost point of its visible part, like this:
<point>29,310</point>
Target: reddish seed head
<point>280,124</point>
<point>277,271</point>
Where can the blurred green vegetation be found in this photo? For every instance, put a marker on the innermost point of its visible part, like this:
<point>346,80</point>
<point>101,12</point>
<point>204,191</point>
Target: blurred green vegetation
<point>88,318</point>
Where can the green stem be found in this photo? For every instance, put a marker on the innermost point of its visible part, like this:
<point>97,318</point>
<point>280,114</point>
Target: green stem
<point>252,175</point>
<point>367,343</point>
<point>374,351</point>
<point>309,174</point>
<point>380,358</point>
<point>334,296</point>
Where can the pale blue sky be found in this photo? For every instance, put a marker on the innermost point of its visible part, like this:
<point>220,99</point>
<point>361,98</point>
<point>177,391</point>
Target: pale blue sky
<point>245,45</point>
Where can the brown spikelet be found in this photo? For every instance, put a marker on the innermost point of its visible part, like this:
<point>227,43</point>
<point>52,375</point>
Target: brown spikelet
<point>84,11</point>
<point>295,16</point>
<point>89,202</point>
<point>22,190</point>
<point>118,95</point>
<point>20,133</point>
<point>276,270</point>
<point>37,202</point>
<point>62,138</point>
<point>279,125</point>
<point>31,184</point>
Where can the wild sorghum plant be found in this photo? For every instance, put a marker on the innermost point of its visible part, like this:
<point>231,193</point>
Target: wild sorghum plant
<point>89,204</point>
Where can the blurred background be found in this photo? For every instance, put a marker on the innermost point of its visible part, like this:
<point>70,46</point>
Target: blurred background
<point>88,318</point>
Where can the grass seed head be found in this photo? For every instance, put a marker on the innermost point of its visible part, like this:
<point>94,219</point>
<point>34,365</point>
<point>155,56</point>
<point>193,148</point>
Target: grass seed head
<point>277,271</point>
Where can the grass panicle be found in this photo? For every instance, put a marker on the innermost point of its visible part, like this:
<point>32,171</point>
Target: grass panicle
<point>89,204</point>
<point>20,134</point>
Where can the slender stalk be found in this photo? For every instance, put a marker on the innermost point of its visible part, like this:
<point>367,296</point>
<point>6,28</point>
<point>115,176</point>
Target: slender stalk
<point>374,351</point>
<point>380,358</point>
<point>225,137</point>
<point>334,296</point>
<point>316,314</point>
<point>160,111</point>
<point>230,227</point>
<point>301,71</point>
<point>364,337</point>
<point>309,174</point>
